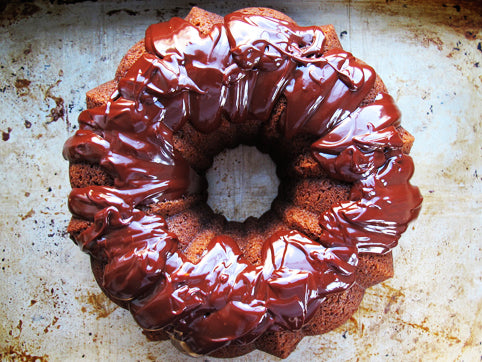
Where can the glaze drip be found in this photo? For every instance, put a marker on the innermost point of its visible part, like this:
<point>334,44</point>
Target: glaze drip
<point>366,149</point>
<point>239,71</point>
<point>223,297</point>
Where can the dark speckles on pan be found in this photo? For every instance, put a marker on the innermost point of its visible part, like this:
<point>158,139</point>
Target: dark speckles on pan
<point>438,271</point>
<point>22,86</point>
<point>6,135</point>
<point>118,11</point>
<point>11,12</point>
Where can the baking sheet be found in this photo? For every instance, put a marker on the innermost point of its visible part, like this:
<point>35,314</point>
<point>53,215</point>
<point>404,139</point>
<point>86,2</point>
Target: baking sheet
<point>428,54</point>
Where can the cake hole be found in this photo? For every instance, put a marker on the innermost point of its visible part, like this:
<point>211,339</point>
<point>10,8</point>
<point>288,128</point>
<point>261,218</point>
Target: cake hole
<point>242,183</point>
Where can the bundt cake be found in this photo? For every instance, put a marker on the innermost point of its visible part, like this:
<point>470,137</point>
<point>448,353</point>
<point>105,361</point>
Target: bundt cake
<point>192,88</point>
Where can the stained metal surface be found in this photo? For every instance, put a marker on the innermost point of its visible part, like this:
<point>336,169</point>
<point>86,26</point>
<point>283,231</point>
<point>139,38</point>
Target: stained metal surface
<point>428,54</point>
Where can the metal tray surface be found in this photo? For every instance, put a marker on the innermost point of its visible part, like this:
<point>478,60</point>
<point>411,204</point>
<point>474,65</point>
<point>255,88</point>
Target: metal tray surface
<point>429,54</point>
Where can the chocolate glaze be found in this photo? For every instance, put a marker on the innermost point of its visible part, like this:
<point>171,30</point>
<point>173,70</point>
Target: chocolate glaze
<point>239,70</point>
<point>365,148</point>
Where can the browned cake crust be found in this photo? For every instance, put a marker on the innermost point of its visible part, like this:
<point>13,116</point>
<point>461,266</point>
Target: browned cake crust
<point>304,194</point>
<point>100,95</point>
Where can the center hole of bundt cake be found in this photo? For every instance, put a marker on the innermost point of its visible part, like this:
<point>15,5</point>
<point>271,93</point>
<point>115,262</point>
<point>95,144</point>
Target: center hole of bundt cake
<point>242,183</point>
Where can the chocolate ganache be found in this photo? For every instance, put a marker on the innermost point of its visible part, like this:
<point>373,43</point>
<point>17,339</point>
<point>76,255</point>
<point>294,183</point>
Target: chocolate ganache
<point>238,71</point>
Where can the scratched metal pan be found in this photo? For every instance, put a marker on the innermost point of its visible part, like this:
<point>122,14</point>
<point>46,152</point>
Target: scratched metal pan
<point>428,53</point>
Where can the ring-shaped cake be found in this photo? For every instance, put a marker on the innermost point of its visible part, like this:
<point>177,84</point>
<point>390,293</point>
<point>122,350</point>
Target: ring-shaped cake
<point>192,88</point>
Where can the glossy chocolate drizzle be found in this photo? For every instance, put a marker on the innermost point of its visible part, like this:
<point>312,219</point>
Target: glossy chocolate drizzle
<point>239,70</point>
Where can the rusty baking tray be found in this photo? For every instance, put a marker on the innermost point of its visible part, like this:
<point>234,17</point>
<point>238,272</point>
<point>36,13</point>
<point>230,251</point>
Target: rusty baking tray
<point>428,53</point>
